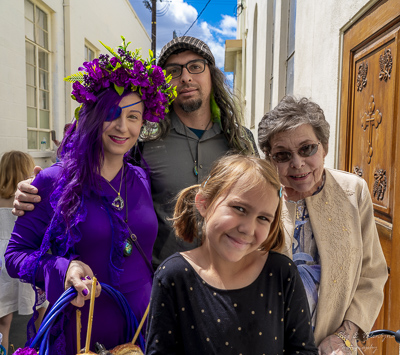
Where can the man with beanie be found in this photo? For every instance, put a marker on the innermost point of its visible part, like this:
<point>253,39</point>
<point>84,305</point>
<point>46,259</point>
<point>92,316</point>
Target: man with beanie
<point>203,124</point>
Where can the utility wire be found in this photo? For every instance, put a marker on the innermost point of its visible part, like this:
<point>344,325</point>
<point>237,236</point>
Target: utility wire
<point>163,11</point>
<point>197,18</point>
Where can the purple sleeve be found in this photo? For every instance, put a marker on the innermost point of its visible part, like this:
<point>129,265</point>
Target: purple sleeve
<point>27,237</point>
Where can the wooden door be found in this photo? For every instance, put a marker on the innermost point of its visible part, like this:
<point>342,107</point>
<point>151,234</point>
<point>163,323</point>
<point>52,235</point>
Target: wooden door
<point>368,142</point>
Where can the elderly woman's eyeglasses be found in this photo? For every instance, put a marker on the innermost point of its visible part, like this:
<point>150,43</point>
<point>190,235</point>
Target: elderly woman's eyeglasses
<point>304,151</point>
<point>196,66</point>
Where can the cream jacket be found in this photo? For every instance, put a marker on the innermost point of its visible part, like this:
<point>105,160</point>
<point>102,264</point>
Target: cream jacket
<point>353,267</point>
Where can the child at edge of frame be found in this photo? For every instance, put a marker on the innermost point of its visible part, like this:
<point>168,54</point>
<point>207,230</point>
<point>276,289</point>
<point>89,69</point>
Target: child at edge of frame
<point>235,294</point>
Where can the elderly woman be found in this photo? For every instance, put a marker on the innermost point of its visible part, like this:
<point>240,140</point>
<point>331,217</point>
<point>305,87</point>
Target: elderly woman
<point>329,225</point>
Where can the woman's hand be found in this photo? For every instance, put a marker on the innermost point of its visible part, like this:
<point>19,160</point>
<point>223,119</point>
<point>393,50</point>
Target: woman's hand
<point>80,275</point>
<point>334,345</point>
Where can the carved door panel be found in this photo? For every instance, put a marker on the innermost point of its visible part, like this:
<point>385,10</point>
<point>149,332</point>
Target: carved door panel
<point>369,126</point>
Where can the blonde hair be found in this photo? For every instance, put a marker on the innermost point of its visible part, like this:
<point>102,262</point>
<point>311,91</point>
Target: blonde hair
<point>225,173</point>
<point>15,166</point>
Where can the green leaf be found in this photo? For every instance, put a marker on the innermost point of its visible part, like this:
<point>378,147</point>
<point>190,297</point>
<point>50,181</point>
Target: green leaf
<point>119,89</point>
<point>110,50</point>
<point>168,78</point>
<point>75,77</point>
<point>136,54</point>
<point>77,112</point>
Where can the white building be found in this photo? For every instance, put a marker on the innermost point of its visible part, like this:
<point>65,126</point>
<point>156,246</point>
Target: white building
<point>343,55</point>
<point>41,42</point>
<point>291,47</point>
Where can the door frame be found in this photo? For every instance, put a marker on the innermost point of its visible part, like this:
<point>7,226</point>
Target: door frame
<point>352,40</point>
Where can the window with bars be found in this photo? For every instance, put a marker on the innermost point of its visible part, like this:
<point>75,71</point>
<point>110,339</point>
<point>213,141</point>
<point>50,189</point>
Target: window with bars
<point>291,48</point>
<point>38,93</point>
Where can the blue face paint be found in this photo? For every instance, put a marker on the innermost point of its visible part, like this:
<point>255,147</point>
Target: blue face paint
<point>115,112</point>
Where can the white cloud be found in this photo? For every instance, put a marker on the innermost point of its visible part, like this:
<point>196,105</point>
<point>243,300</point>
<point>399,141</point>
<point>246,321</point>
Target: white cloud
<point>181,13</point>
<point>218,49</point>
<point>227,26</point>
<point>215,37</point>
<point>206,30</point>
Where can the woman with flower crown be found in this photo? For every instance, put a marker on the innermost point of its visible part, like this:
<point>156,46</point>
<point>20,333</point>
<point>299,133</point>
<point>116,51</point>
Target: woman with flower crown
<point>96,213</point>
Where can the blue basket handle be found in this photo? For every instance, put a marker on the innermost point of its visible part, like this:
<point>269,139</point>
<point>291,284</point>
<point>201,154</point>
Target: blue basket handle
<point>42,338</point>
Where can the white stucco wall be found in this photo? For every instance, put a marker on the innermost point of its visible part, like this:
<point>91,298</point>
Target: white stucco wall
<point>71,22</point>
<point>319,30</point>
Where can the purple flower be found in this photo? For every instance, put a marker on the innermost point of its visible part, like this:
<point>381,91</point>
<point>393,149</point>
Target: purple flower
<point>157,76</point>
<point>103,58</point>
<point>94,70</point>
<point>138,67</point>
<point>161,98</point>
<point>81,94</point>
<point>26,351</point>
<point>140,81</point>
<point>125,70</point>
<point>120,77</point>
<point>114,61</point>
<point>148,116</point>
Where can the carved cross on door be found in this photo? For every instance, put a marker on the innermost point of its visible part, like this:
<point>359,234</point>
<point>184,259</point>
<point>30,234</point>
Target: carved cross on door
<point>370,118</point>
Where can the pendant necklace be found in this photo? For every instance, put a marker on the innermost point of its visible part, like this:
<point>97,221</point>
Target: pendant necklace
<point>118,202</point>
<point>132,239</point>
<point>195,168</point>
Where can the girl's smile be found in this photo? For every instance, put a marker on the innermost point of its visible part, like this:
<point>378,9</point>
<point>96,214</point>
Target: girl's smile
<point>238,222</point>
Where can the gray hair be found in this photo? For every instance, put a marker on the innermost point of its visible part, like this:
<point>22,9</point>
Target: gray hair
<point>291,114</point>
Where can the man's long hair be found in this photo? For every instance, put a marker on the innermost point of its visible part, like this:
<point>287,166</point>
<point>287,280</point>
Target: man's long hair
<point>231,117</point>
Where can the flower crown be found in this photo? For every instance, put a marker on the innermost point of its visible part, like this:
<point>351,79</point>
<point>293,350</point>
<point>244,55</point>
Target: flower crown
<point>125,70</point>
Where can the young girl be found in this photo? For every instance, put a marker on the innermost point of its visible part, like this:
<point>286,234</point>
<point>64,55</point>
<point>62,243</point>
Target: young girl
<point>233,294</point>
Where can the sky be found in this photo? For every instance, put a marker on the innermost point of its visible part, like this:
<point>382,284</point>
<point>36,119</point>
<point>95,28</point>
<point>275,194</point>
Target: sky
<point>216,23</point>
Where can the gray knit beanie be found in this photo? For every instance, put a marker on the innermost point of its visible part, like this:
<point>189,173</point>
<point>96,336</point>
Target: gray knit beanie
<point>186,43</point>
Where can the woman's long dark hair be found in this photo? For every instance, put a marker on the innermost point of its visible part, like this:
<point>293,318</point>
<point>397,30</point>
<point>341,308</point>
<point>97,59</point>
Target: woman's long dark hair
<point>82,154</point>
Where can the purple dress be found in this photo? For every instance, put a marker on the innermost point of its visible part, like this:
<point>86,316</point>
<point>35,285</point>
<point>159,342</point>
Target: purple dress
<point>95,248</point>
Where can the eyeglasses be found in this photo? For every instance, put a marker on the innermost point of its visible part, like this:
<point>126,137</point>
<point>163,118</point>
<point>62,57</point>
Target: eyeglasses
<point>305,151</point>
<point>196,66</point>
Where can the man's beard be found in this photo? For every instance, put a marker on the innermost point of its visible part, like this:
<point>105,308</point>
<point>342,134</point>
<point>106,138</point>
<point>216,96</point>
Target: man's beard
<point>191,105</point>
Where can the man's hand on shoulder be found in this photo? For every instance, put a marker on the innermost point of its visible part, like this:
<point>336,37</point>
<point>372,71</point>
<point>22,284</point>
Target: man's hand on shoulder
<point>26,195</point>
